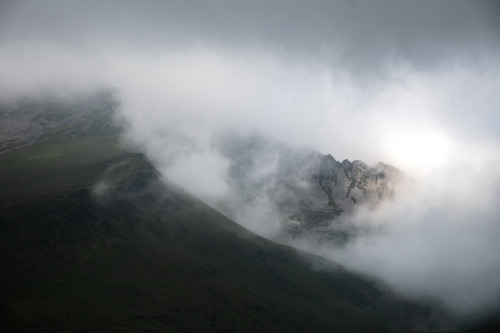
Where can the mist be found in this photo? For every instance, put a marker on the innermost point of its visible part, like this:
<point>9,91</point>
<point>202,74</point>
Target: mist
<point>411,84</point>
<point>437,240</point>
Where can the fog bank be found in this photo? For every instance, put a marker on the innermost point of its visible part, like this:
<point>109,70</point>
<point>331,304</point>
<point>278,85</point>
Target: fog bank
<point>412,84</point>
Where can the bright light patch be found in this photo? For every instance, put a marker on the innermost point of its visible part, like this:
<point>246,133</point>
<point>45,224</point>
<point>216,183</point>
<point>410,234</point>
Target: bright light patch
<point>419,151</point>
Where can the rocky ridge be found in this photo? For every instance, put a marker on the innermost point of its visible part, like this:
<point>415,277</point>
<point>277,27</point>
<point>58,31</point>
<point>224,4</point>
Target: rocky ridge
<point>339,187</point>
<point>304,188</point>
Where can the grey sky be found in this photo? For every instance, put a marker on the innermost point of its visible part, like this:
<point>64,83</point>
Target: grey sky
<point>354,33</point>
<point>411,83</point>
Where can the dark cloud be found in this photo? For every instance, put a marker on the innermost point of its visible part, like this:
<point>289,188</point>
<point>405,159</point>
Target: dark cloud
<point>349,33</point>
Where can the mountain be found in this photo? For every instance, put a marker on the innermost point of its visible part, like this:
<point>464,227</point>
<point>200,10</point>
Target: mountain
<point>305,190</point>
<point>92,240</point>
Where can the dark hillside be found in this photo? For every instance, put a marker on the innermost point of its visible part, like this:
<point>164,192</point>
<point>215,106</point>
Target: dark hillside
<point>149,257</point>
<point>92,240</point>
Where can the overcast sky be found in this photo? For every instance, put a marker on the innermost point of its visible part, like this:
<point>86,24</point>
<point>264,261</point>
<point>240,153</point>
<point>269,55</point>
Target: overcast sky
<point>410,83</point>
<point>358,79</point>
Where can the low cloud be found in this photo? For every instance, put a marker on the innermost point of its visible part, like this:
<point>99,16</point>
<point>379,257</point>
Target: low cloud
<point>437,240</point>
<point>412,84</point>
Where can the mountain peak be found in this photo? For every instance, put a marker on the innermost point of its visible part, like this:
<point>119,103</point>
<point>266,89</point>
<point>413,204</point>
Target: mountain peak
<point>304,188</point>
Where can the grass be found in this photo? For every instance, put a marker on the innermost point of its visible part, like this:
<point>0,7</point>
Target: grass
<point>155,259</point>
<point>64,158</point>
<point>146,257</point>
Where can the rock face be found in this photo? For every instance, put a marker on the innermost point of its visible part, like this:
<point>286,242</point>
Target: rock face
<point>339,187</point>
<point>302,187</point>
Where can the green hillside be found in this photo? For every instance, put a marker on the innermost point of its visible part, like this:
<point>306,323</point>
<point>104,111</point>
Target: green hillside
<point>92,241</point>
<point>152,258</point>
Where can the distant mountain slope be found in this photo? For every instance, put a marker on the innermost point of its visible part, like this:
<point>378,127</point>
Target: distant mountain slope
<point>25,121</point>
<point>50,144</point>
<point>91,240</point>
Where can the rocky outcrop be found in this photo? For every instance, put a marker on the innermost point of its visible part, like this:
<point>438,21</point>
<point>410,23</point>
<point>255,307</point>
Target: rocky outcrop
<point>339,187</point>
<point>302,187</point>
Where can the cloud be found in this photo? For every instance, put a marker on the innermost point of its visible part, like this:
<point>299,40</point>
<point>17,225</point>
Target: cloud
<point>414,84</point>
<point>438,241</point>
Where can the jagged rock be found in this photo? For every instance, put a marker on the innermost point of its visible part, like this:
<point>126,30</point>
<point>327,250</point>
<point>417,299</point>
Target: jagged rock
<point>305,188</point>
<point>338,187</point>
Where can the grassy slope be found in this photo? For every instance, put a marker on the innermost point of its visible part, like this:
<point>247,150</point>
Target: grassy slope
<point>64,158</point>
<point>152,258</point>
<point>147,257</point>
